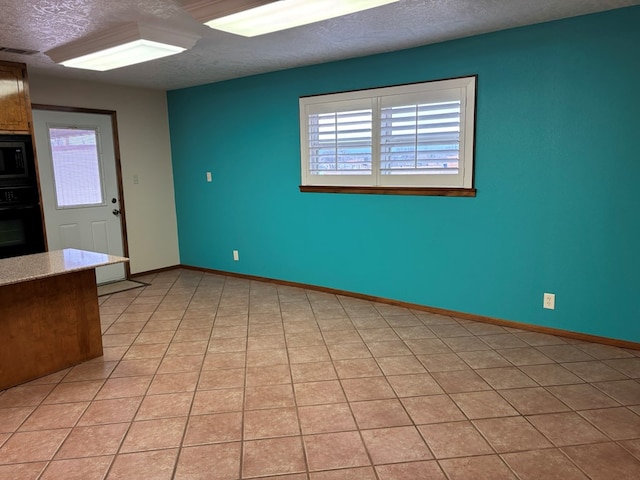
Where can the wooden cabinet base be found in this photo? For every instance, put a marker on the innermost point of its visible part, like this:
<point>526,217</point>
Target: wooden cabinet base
<point>47,325</point>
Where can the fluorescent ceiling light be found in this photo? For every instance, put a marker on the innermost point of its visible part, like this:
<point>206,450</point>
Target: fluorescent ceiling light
<point>124,45</point>
<point>271,16</point>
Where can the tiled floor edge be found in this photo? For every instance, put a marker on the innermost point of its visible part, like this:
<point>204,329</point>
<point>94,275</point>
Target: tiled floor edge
<point>585,337</point>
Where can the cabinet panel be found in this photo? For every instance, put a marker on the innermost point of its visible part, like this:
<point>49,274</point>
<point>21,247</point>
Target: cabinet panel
<point>14,104</point>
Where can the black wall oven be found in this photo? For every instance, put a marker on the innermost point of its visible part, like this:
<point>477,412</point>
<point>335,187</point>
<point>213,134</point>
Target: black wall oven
<point>21,230</point>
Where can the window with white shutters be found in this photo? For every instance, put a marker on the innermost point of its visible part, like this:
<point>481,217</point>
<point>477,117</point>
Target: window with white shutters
<point>418,137</point>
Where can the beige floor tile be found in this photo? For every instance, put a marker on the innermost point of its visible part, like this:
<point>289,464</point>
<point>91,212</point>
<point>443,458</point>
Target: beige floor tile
<point>553,374</point>
<point>428,346</point>
<point>93,441</point>
<point>213,428</point>
<point>566,429</point>
<point>270,396</point>
<point>213,361</point>
<point>506,377</point>
<point>217,401</point>
<point>78,469</point>
<point>539,464</point>
<point>524,356</point>
<point>156,434</point>
<point>443,362</point>
<point>124,387</point>
<point>477,405</point>
<point>90,371</point>
<point>565,353</point>
<point>414,385</point>
<point>625,392</point>
<point>25,447</point>
<point>51,417</point>
<point>402,365</point>
<point>484,359</point>
<point>604,461</point>
<point>12,418</point>
<point>166,405</point>
<point>213,462</point>
<point>460,381</point>
<point>136,368</point>
<point>153,465</point>
<point>326,418</point>
<point>531,401</point>
<point>22,471</point>
<point>617,423</point>
<point>266,358</point>
<point>216,379</point>
<point>74,392</point>
<point>487,467</point>
<point>181,364</point>
<point>432,409</point>
<point>594,371</point>
<point>335,450</point>
<point>408,471</point>
<point>503,340</point>
<point>271,375</point>
<point>458,439</point>
<point>315,353</point>
<point>379,414</point>
<point>360,473</point>
<point>463,344</point>
<point>173,383</point>
<point>373,388</point>
<point>539,339</point>
<point>603,352</point>
<point>313,372</point>
<point>629,366</point>
<point>269,423</point>
<point>318,393</point>
<point>116,410</point>
<point>395,445</point>
<point>274,456</point>
<point>348,351</point>
<point>582,397</point>
<point>511,434</point>
<point>632,446</point>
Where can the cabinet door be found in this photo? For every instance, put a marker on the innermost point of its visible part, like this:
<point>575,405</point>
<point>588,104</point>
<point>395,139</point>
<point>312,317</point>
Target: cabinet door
<point>14,104</point>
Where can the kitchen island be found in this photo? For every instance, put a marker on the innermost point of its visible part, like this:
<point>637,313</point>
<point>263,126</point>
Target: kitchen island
<point>49,315</point>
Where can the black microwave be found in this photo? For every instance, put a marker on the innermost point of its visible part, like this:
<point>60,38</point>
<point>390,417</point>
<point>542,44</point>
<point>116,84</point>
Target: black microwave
<point>13,160</point>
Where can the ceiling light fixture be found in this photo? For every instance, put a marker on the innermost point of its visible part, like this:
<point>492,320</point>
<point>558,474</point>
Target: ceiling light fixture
<point>124,45</point>
<point>251,18</point>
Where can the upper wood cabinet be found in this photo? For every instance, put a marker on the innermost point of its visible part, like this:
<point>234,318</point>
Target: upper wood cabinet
<point>15,106</point>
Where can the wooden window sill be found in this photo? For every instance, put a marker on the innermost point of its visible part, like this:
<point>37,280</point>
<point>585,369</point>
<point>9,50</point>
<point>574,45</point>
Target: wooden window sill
<point>423,191</point>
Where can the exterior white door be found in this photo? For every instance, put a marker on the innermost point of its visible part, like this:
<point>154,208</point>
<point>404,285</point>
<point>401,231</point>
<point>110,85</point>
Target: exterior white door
<point>77,167</point>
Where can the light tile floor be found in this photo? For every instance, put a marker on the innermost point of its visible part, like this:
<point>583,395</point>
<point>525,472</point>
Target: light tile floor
<point>213,377</point>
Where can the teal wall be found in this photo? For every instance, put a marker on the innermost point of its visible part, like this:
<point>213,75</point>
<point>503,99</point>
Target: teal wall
<point>557,172</point>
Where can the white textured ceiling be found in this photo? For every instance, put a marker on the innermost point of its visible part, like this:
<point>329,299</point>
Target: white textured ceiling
<point>43,24</point>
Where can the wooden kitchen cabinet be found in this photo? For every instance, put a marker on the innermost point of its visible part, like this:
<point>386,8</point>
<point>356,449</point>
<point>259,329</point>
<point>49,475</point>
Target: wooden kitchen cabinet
<point>15,106</point>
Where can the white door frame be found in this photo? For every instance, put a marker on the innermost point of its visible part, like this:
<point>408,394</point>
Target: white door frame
<point>116,151</point>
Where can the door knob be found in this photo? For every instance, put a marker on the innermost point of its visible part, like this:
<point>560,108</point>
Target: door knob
<point>116,212</point>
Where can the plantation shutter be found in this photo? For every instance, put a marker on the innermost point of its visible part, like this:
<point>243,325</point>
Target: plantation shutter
<point>420,136</point>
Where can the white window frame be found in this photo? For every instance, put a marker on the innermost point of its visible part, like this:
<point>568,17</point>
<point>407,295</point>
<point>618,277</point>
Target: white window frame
<point>461,89</point>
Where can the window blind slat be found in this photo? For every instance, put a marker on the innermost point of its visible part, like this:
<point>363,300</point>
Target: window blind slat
<point>420,139</point>
<point>340,143</point>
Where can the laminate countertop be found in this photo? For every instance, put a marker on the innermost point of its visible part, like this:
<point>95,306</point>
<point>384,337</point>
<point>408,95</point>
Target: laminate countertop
<point>50,264</point>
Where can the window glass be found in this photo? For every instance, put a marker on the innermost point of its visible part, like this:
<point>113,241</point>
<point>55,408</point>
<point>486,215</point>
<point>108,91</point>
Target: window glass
<point>76,167</point>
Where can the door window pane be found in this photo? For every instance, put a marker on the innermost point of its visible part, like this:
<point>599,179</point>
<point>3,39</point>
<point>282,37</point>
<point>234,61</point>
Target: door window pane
<point>76,166</point>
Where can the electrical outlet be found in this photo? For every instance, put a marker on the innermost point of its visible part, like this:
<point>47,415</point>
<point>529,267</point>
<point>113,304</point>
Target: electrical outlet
<point>549,301</point>
<point>209,177</point>
<point>236,256</point>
